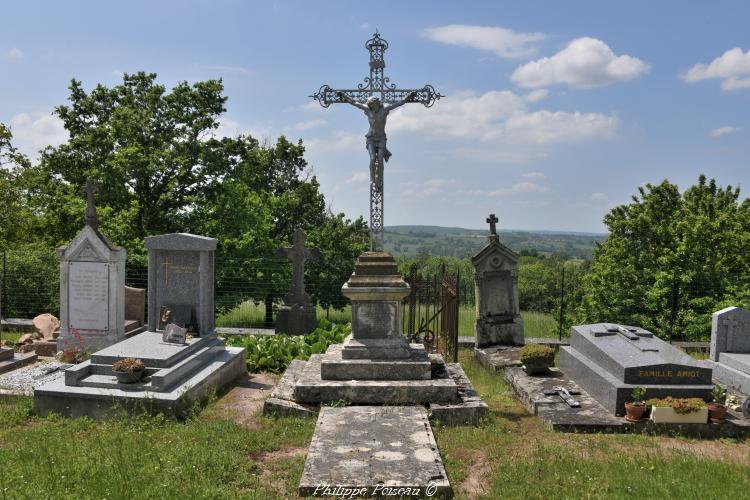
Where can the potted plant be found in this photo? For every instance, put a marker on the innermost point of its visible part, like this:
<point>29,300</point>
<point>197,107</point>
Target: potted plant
<point>537,358</point>
<point>129,370</point>
<point>717,411</point>
<point>634,409</point>
<point>671,410</point>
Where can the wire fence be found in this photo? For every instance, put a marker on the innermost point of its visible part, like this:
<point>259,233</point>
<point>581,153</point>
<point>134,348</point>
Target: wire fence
<point>247,292</point>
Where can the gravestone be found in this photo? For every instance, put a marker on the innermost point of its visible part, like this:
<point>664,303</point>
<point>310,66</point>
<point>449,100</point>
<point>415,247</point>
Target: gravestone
<point>608,361</point>
<point>730,348</point>
<point>498,317</point>
<point>92,287</point>
<point>180,369</point>
<point>297,316</point>
<point>181,282</point>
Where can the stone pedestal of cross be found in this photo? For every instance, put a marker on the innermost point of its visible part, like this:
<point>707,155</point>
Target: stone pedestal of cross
<point>380,97</point>
<point>297,316</point>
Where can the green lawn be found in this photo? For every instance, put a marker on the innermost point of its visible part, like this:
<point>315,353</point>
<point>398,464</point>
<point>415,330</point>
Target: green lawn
<point>249,314</point>
<point>511,455</point>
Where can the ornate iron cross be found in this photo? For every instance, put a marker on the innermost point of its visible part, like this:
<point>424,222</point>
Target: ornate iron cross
<point>377,84</point>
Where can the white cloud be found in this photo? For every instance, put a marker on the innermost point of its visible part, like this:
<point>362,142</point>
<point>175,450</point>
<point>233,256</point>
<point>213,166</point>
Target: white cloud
<point>534,175</point>
<point>339,141</point>
<point>732,68</point>
<point>536,95</point>
<point>498,117</point>
<point>718,132</point>
<point>307,125</point>
<point>33,132</point>
<point>502,41</point>
<point>529,187</point>
<point>358,178</point>
<point>237,70</point>
<point>425,189</point>
<point>14,53</point>
<point>598,196</point>
<point>585,62</point>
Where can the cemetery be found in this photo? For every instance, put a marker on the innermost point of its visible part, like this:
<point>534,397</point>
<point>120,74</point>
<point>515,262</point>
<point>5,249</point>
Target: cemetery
<point>183,314</point>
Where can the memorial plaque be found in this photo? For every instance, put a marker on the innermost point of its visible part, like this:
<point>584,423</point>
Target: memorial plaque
<point>375,320</point>
<point>88,296</point>
<point>498,295</point>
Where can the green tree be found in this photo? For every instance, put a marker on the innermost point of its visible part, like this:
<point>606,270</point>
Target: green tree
<point>16,217</point>
<point>671,260</point>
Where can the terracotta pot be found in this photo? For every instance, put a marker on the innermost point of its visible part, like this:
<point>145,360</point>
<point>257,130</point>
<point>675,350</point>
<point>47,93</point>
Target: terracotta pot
<point>70,355</point>
<point>717,412</point>
<point>633,412</point>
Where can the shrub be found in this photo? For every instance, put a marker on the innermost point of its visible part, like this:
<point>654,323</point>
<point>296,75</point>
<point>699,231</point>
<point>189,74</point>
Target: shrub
<point>682,406</point>
<point>274,353</point>
<point>719,394</point>
<point>637,394</point>
<point>129,365</point>
<point>537,354</point>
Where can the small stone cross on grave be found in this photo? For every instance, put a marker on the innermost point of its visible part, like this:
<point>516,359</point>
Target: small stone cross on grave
<point>492,220</point>
<point>298,254</point>
<point>90,189</point>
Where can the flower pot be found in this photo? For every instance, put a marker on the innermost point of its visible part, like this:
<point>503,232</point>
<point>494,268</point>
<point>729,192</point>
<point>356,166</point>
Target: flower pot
<point>634,412</point>
<point>717,412</point>
<point>129,377</point>
<point>667,415</point>
<point>536,368</point>
<point>70,355</point>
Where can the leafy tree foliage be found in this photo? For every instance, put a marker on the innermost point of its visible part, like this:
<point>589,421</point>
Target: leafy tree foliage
<point>672,259</point>
<point>16,216</point>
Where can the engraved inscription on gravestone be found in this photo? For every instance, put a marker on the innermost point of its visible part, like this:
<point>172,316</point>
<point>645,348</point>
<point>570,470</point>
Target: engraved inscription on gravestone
<point>499,295</point>
<point>88,296</point>
<point>376,320</point>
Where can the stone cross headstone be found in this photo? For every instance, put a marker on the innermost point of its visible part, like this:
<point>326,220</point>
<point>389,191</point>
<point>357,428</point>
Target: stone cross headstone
<point>92,287</point>
<point>730,331</point>
<point>297,316</point>
<point>181,278</point>
<point>498,316</point>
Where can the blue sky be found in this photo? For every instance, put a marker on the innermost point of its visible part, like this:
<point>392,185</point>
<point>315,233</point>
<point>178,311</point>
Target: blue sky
<point>554,111</point>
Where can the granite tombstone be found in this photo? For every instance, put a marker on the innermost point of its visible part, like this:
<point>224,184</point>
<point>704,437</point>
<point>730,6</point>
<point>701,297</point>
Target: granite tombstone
<point>608,361</point>
<point>730,348</point>
<point>498,316</point>
<point>181,282</point>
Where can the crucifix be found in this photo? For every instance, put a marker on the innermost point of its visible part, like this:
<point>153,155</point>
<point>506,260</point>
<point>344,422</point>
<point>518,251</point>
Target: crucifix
<point>89,188</point>
<point>298,254</point>
<point>492,220</point>
<point>376,97</point>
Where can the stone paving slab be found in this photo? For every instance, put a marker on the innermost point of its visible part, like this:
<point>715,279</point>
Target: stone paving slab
<point>361,451</point>
<point>498,357</point>
<point>593,417</point>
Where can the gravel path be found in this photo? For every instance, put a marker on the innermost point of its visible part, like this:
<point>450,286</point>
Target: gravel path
<point>23,380</point>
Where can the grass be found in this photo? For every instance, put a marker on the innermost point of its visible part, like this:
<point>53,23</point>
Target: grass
<point>10,336</point>
<point>510,455</point>
<point>252,315</point>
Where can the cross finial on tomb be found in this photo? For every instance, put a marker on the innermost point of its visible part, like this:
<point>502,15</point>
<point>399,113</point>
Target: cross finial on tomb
<point>492,220</point>
<point>90,188</point>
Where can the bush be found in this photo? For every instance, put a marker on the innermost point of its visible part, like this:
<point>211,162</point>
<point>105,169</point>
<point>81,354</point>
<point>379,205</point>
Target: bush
<point>682,406</point>
<point>274,353</point>
<point>537,354</point>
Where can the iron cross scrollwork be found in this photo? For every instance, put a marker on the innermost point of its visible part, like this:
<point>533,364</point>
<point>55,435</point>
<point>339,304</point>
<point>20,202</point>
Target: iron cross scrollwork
<point>376,97</point>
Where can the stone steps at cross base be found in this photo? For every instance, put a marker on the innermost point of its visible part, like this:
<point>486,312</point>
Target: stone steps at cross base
<point>156,380</point>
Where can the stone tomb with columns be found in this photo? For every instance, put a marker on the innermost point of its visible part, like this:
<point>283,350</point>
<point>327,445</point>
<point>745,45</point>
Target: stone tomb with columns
<point>730,348</point>
<point>180,277</point>
<point>376,364</point>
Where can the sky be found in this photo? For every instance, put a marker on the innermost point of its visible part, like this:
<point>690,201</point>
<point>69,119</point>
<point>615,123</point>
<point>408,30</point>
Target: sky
<point>554,112</point>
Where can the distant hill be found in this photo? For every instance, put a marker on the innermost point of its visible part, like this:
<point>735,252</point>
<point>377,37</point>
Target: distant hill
<point>408,241</point>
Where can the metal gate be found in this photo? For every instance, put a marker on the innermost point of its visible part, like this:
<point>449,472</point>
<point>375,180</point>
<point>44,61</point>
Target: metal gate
<point>430,312</point>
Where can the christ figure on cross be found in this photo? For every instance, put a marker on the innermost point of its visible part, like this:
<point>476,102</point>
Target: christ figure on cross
<point>377,114</point>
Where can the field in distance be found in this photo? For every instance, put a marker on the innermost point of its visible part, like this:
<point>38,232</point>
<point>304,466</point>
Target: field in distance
<point>409,241</point>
